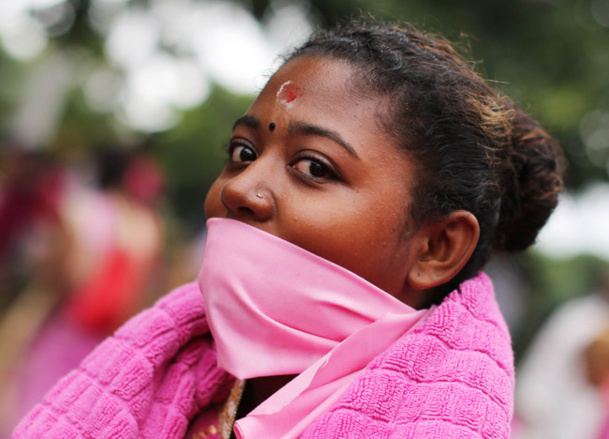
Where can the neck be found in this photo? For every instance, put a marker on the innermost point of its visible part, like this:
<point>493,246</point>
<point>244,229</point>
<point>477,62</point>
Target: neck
<point>257,390</point>
<point>416,299</point>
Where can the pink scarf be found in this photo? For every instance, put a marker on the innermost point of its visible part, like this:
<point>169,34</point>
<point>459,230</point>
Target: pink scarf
<point>276,309</point>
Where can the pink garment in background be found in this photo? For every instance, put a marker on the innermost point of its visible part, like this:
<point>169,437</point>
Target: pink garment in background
<point>59,347</point>
<point>113,254</point>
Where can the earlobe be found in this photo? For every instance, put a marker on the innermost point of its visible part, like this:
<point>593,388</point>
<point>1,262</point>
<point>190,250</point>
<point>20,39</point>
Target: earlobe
<point>445,248</point>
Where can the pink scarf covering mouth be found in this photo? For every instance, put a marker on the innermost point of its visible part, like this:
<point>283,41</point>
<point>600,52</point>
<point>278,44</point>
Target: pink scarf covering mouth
<point>276,309</point>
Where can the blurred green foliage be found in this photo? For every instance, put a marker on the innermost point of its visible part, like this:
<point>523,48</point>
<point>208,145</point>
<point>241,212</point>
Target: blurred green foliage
<point>551,56</point>
<point>548,283</point>
<point>193,153</point>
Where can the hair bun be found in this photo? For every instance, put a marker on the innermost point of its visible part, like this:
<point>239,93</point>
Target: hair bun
<point>535,169</point>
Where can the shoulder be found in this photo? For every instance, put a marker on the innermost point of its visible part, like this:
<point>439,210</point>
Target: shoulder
<point>452,376</point>
<point>469,324</point>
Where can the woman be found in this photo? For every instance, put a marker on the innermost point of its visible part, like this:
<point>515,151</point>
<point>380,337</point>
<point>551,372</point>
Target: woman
<point>366,187</point>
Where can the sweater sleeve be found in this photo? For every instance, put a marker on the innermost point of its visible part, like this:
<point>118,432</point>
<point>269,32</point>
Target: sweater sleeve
<point>148,380</point>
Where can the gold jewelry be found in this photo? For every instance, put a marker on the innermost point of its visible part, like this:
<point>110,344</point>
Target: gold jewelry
<point>226,418</point>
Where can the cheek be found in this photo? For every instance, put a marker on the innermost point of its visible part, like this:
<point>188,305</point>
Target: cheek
<point>355,236</point>
<point>213,201</point>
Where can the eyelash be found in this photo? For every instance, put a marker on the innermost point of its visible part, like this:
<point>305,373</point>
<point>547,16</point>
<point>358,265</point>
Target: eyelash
<point>332,174</point>
<point>230,150</point>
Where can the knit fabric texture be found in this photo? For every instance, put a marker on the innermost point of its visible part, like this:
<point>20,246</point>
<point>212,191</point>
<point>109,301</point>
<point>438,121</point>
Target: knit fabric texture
<point>452,376</point>
<point>147,381</point>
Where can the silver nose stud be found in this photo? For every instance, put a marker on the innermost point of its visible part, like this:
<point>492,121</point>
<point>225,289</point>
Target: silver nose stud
<point>259,195</point>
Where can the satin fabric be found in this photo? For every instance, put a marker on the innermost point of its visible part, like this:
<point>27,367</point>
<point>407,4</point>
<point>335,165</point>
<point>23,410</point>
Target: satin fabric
<point>277,309</point>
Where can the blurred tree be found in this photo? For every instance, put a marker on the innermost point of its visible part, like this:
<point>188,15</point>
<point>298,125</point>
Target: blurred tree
<point>193,153</point>
<point>550,55</point>
<point>550,283</point>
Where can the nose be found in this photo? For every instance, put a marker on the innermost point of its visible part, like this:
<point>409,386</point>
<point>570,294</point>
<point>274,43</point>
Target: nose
<point>247,196</point>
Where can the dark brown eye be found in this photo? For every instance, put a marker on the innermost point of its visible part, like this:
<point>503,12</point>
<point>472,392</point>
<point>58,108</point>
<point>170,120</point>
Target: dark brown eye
<point>242,153</point>
<point>318,170</point>
<point>313,168</point>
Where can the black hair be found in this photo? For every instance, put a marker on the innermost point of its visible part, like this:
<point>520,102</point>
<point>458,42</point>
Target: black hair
<point>478,152</point>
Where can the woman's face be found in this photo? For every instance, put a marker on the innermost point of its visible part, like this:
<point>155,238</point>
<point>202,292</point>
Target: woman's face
<point>310,163</point>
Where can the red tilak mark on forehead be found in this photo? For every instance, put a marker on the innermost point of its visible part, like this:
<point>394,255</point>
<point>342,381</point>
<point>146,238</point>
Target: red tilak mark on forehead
<point>288,92</point>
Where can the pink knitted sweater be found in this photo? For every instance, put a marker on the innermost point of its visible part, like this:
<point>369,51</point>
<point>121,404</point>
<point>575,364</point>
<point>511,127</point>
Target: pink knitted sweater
<point>450,377</point>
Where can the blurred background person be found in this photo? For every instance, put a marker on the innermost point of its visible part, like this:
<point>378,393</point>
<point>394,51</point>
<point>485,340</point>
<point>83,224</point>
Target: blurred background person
<point>107,267</point>
<point>596,358</point>
<point>559,380</point>
<point>31,189</point>
<point>116,242</point>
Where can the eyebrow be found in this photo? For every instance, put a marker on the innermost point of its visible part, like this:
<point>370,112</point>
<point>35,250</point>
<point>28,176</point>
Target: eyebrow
<point>248,121</point>
<point>304,128</point>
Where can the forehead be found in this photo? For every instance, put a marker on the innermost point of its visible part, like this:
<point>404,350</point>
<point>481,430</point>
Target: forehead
<point>319,89</point>
<point>312,75</point>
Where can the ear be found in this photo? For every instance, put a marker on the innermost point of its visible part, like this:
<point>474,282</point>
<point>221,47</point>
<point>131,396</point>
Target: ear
<point>445,248</point>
